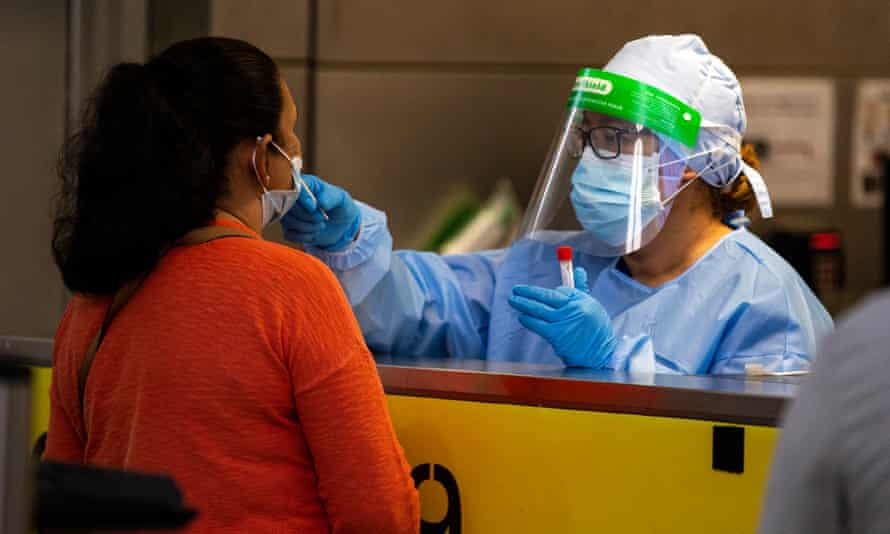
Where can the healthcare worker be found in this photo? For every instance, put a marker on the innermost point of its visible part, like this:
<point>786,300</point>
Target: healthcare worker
<point>642,171</point>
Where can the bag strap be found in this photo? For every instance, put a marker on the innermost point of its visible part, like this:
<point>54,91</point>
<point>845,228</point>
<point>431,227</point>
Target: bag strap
<point>126,292</point>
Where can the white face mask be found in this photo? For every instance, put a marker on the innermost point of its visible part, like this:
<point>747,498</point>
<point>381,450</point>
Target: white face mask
<point>277,202</point>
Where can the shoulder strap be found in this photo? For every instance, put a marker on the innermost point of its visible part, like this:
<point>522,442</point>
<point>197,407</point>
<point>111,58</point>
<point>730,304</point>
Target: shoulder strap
<point>126,292</point>
<point>199,236</point>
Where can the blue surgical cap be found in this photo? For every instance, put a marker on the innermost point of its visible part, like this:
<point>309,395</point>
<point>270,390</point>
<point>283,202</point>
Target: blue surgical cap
<point>682,66</point>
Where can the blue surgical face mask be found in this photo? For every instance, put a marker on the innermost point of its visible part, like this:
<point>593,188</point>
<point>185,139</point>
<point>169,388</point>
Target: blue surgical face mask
<point>611,202</point>
<point>277,202</point>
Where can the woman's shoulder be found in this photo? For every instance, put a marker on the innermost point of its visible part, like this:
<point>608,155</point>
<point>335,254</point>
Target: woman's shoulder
<point>752,254</point>
<point>284,263</point>
<point>767,290</point>
<point>773,280</point>
<point>250,264</point>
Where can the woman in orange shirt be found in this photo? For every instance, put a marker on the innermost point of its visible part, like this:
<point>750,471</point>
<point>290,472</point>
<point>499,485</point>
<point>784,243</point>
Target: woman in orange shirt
<point>231,363</point>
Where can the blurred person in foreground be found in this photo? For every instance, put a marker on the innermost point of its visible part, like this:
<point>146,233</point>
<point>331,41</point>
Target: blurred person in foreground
<point>831,472</point>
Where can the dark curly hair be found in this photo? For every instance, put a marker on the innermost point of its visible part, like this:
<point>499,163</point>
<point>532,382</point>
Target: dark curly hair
<point>740,195</point>
<point>148,163</point>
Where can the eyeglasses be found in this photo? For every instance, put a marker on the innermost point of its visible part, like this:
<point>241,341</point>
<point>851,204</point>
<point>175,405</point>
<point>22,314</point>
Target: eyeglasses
<point>607,141</point>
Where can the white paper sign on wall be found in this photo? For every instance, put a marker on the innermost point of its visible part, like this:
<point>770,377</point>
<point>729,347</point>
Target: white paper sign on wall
<point>871,135</point>
<point>791,121</point>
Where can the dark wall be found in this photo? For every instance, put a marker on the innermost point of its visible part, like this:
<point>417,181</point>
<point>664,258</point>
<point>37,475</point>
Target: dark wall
<point>32,107</point>
<point>415,94</point>
<point>412,97</point>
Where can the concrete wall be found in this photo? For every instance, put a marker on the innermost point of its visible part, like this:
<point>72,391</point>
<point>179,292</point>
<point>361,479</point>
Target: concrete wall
<point>32,107</point>
<point>415,94</point>
<point>409,97</point>
<point>45,79</point>
<point>402,99</point>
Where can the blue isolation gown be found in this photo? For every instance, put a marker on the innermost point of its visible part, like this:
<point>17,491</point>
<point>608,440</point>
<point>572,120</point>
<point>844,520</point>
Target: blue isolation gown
<point>739,304</point>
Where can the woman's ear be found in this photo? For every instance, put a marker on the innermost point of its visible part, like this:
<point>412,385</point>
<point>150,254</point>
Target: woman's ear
<point>688,176</point>
<point>259,160</point>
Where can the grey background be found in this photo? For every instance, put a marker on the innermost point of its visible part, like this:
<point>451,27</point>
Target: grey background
<point>32,121</point>
<point>403,99</point>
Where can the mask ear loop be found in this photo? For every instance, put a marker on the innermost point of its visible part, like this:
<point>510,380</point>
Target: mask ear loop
<point>684,161</point>
<point>682,188</point>
<point>697,176</point>
<point>256,172</point>
<point>296,164</point>
<point>734,143</point>
<point>758,184</point>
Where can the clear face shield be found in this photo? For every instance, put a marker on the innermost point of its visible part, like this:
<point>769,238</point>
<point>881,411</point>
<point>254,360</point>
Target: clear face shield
<point>614,167</point>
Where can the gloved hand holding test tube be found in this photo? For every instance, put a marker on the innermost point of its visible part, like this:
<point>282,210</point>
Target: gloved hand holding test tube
<point>575,323</point>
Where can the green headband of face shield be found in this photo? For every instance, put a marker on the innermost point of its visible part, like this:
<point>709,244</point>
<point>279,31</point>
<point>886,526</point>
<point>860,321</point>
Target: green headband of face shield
<point>633,101</point>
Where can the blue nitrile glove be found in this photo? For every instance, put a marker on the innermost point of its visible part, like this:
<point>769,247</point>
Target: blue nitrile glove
<point>305,224</point>
<point>575,324</point>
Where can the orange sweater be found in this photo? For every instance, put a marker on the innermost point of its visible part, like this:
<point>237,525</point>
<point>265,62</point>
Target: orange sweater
<point>239,369</point>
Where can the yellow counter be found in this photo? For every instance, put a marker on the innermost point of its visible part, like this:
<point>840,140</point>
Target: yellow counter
<point>607,454</point>
<point>505,447</point>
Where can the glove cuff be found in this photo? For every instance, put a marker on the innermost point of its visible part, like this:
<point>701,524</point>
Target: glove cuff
<point>350,237</point>
<point>372,233</point>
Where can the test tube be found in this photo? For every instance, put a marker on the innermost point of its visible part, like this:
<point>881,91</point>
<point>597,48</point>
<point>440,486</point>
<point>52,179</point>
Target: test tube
<point>564,255</point>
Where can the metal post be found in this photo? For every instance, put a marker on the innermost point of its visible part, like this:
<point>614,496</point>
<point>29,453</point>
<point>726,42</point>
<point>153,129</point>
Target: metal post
<point>15,430</point>
<point>884,162</point>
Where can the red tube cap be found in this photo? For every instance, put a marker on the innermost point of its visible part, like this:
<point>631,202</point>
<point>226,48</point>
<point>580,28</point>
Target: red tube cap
<point>564,253</point>
<point>825,241</point>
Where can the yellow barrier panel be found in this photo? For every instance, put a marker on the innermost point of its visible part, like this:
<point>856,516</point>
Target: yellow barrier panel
<point>531,469</point>
<point>41,378</point>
